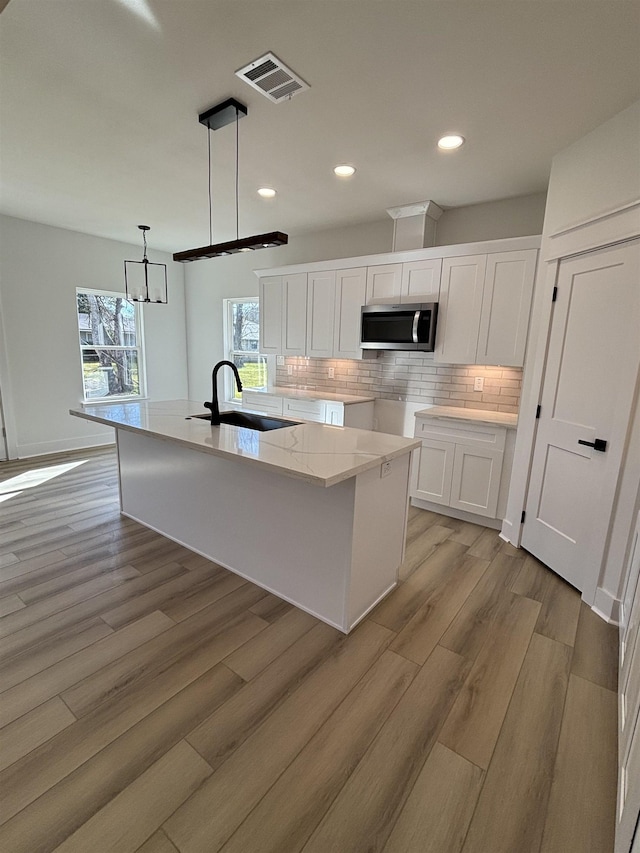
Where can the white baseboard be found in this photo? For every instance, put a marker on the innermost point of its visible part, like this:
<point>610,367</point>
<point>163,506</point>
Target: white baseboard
<point>461,515</point>
<point>607,606</point>
<point>42,448</point>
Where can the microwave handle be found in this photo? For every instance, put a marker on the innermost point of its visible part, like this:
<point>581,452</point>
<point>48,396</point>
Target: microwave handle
<point>414,331</point>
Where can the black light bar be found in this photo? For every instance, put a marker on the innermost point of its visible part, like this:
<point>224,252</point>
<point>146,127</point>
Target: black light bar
<point>245,244</point>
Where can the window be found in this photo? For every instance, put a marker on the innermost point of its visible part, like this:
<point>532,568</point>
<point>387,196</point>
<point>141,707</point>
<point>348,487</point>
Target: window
<point>110,335</point>
<point>241,342</point>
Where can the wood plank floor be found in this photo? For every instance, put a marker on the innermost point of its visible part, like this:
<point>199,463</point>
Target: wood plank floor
<point>152,701</point>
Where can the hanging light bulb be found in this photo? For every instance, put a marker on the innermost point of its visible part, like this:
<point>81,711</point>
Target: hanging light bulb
<point>145,281</point>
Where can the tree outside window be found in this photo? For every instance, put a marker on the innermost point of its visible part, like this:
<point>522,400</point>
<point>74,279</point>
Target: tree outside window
<point>110,334</point>
<point>242,339</point>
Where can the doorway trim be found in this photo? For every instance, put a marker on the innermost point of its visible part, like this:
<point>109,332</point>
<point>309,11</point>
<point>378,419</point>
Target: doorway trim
<point>608,229</point>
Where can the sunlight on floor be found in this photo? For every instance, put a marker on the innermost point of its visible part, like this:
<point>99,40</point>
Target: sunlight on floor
<point>36,477</point>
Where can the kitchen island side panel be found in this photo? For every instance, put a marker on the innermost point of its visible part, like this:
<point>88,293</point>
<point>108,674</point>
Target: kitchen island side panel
<point>291,537</point>
<point>379,532</point>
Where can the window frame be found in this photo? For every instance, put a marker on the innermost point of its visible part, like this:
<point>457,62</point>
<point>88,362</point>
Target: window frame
<point>227,326</point>
<point>139,347</point>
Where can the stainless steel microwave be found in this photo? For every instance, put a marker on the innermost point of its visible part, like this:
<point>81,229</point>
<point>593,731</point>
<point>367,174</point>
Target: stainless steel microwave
<point>399,327</point>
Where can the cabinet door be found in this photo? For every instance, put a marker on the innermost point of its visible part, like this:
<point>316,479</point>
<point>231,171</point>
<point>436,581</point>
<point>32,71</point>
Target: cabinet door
<point>476,480</point>
<point>271,314</point>
<point>351,294</point>
<point>259,401</point>
<point>506,304</point>
<point>334,414</point>
<point>321,300</point>
<point>384,283</point>
<point>434,472</point>
<point>307,410</point>
<point>421,281</point>
<point>294,314</point>
<point>459,310</point>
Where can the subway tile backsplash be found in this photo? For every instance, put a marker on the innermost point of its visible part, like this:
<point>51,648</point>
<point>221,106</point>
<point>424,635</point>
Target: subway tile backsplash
<point>408,377</point>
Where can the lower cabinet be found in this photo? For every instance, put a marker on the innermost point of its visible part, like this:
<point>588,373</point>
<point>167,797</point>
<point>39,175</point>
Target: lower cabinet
<point>358,415</point>
<point>460,465</point>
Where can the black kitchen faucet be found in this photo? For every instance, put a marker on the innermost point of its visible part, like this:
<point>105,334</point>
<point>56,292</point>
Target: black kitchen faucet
<point>213,405</point>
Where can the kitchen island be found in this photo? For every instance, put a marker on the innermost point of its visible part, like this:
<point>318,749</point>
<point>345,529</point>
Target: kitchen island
<point>314,513</point>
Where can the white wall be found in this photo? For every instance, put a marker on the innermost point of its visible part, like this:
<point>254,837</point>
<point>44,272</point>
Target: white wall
<point>493,220</point>
<point>41,375</point>
<point>208,282</point>
<point>599,174</point>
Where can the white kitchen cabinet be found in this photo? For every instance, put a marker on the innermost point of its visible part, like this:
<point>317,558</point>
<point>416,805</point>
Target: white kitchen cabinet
<point>459,309</point>
<point>421,280</point>
<point>294,314</point>
<point>270,289</point>
<point>460,464</point>
<point>351,295</point>
<point>384,283</point>
<point>283,314</point>
<point>321,303</point>
<point>289,405</point>
<point>258,401</point>
<point>306,410</point>
<point>485,301</point>
<point>506,304</point>
<point>475,481</point>
<point>434,471</point>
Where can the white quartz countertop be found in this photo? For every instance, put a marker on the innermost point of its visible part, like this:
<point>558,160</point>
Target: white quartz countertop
<point>307,394</point>
<point>319,453</point>
<point>477,415</point>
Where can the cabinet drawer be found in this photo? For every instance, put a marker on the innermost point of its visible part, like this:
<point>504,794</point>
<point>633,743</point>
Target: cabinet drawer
<point>444,429</point>
<point>271,404</point>
<point>309,410</point>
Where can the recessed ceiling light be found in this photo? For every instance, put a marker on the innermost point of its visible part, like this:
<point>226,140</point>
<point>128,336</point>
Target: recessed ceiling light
<point>450,141</point>
<point>344,171</point>
<point>266,192</point>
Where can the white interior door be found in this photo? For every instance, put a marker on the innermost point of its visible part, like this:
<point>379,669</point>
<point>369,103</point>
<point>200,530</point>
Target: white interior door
<point>588,390</point>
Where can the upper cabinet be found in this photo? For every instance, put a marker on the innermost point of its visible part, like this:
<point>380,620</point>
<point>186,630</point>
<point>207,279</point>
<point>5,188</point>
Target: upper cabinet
<point>421,280</point>
<point>271,314</point>
<point>321,301</point>
<point>506,304</point>
<point>384,283</point>
<point>485,301</point>
<point>461,288</point>
<point>283,314</point>
<point>294,314</point>
<point>415,281</point>
<point>314,314</point>
<point>351,292</point>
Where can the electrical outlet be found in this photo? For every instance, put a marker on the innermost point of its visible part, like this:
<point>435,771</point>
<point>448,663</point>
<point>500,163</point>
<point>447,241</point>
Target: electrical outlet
<point>478,383</point>
<point>280,360</point>
<point>289,369</point>
<point>332,373</point>
<point>385,469</point>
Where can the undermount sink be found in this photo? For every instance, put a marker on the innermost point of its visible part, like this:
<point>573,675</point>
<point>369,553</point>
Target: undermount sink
<point>262,423</point>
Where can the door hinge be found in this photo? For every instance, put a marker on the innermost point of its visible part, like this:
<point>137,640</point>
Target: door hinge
<point>555,294</point>
<point>522,517</point>
<point>538,410</point>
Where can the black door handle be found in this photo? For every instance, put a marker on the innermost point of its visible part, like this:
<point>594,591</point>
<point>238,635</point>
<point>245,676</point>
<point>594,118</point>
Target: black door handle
<point>599,444</point>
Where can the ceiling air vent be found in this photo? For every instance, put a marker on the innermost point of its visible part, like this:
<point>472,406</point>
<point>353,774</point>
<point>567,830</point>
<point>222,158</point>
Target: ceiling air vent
<point>270,76</point>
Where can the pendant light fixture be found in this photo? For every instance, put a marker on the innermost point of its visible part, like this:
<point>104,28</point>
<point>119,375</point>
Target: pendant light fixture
<point>145,281</point>
<point>213,119</point>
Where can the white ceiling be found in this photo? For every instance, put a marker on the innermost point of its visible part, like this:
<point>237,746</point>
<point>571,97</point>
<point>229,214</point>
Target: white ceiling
<point>100,100</point>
